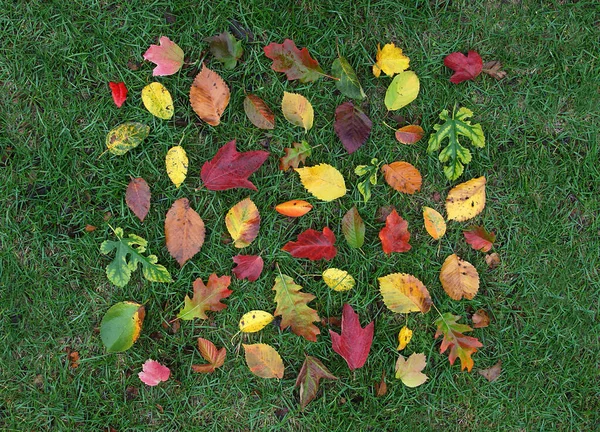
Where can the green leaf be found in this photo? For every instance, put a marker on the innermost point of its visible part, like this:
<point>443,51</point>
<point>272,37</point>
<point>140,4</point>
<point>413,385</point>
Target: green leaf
<point>370,173</point>
<point>403,90</point>
<point>454,154</point>
<point>353,228</point>
<point>348,83</point>
<point>226,48</point>
<point>119,270</point>
<point>121,326</point>
<point>125,137</point>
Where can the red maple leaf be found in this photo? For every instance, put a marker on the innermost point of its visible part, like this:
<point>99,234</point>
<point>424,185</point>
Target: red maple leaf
<point>479,239</point>
<point>119,93</point>
<point>248,267</point>
<point>354,343</point>
<point>394,235</point>
<point>297,64</point>
<point>465,67</point>
<point>230,169</point>
<point>313,245</point>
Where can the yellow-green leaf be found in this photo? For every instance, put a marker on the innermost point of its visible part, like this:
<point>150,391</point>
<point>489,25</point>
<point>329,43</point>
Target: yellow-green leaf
<point>158,101</point>
<point>243,223</point>
<point>323,181</point>
<point>121,326</point>
<point>177,165</point>
<point>409,371</point>
<point>297,110</point>
<point>254,321</point>
<point>403,90</point>
<point>338,280</point>
<point>126,137</point>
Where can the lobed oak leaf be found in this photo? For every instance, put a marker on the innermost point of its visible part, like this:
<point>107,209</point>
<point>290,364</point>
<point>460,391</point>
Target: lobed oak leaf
<point>209,96</point>
<point>295,155</point>
<point>264,361</point>
<point>243,223</point>
<point>352,126</point>
<point>466,200</point>
<point>313,245</point>
<point>137,197</point>
<point>409,371</point>
<point>479,239</point>
<point>434,223</point>
<point>395,236</point>
<point>461,346</point>
<point>167,57</point>
<point>259,114</point>
<point>184,231</point>
<point>353,228</point>
<point>230,169</point>
<point>410,134</point>
<point>404,293</point>
<point>459,278</point>
<point>119,93</point>
<point>292,306</point>
<point>176,163</point>
<point>308,379</point>
<point>323,181</point>
<point>465,67</point>
<point>403,177</point>
<point>225,48</point>
<point>295,63</point>
<point>390,60</point>
<point>293,208</point>
<point>248,267</point>
<point>354,342</point>
<point>297,110</point>
<point>154,373</point>
<point>206,298</point>
<point>211,354</point>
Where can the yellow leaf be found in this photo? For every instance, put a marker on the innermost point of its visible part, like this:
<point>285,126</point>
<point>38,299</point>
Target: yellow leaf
<point>323,181</point>
<point>243,223</point>
<point>466,200</point>
<point>434,223</point>
<point>404,337</point>
<point>338,280</point>
<point>459,278</point>
<point>403,90</point>
<point>297,110</point>
<point>158,101</point>
<point>177,165</point>
<point>264,361</point>
<point>254,321</point>
<point>404,293</point>
<point>390,60</point>
<point>409,371</point>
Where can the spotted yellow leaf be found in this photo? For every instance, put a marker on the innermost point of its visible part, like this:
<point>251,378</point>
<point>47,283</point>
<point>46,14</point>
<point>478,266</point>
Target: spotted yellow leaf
<point>404,337</point>
<point>158,100</point>
<point>297,110</point>
<point>323,181</point>
<point>404,293</point>
<point>125,137</point>
<point>338,280</point>
<point>466,200</point>
<point>254,321</point>
<point>177,165</point>
<point>390,60</point>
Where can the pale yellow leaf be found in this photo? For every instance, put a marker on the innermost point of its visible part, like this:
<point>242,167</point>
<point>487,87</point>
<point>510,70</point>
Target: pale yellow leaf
<point>177,165</point>
<point>297,110</point>
<point>409,371</point>
<point>323,181</point>
<point>254,321</point>
<point>466,200</point>
<point>338,280</point>
<point>158,101</point>
<point>403,90</point>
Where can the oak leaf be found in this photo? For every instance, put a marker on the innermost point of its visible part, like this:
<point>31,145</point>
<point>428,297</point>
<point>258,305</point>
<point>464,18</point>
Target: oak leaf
<point>167,57</point>
<point>264,361</point>
<point>293,208</point>
<point>353,228</point>
<point>461,346</point>
<point>257,111</point>
<point>459,278</point>
<point>295,155</point>
<point>403,177</point>
<point>119,93</point>
<point>395,236</point>
<point>297,110</point>
<point>404,293</point>
<point>390,60</point>
<point>308,379</point>
<point>465,67</point>
<point>184,231</point>
<point>354,342</point>
<point>492,68</point>
<point>313,245</point>
<point>176,163</point>
<point>352,126</point>
<point>230,169</point>
<point>209,96</point>
<point>243,223</point>
<point>248,267</point>
<point>466,200</point>
<point>323,181</point>
<point>206,298</point>
<point>295,63</point>
<point>225,48</point>
<point>410,134</point>
<point>293,309</point>
<point>434,223</point>
<point>479,239</point>
<point>409,371</point>
<point>211,354</point>
<point>158,101</point>
<point>154,373</point>
<point>137,197</point>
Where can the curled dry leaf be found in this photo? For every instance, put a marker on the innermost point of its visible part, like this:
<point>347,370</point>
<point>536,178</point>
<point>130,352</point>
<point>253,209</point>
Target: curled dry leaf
<point>176,163</point>
<point>480,319</point>
<point>243,223</point>
<point>466,200</point>
<point>154,373</point>
<point>119,93</point>
<point>167,57</point>
<point>259,114</point>
<point>410,134</point>
<point>492,260</point>
<point>184,231</point>
<point>294,208</point>
<point>137,197</point>
<point>404,337</point>
<point>254,321</point>
<point>209,96</point>
<point>492,68</point>
<point>381,387</point>
<point>459,278</point>
<point>492,373</point>
<point>264,361</point>
<point>297,110</point>
<point>295,155</point>
<point>434,223</point>
<point>404,293</point>
<point>394,235</point>
<point>465,67</point>
<point>403,177</point>
<point>158,100</point>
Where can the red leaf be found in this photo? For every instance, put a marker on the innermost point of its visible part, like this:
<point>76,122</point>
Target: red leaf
<point>465,67</point>
<point>352,126</point>
<point>297,64</point>
<point>354,343</point>
<point>230,169</point>
<point>395,236</point>
<point>248,267</point>
<point>119,93</point>
<point>313,245</point>
<point>409,134</point>
<point>211,354</point>
<point>167,57</point>
<point>137,197</point>
<point>479,239</point>
<point>153,373</point>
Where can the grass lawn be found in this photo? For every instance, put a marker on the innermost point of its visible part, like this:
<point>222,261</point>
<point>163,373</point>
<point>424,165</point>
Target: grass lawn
<point>541,161</point>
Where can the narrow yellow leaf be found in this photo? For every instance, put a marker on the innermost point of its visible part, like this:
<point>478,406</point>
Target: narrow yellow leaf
<point>297,110</point>
<point>158,101</point>
<point>254,321</point>
<point>404,337</point>
<point>323,181</point>
<point>390,60</point>
<point>434,223</point>
<point>338,280</point>
<point>466,200</point>
<point>177,165</point>
<point>403,90</point>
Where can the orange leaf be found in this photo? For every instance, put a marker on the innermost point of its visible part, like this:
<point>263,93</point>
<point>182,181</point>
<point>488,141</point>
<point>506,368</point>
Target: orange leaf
<point>209,96</point>
<point>459,278</point>
<point>461,346</point>
<point>137,197</point>
<point>381,387</point>
<point>206,298</point>
<point>403,177</point>
<point>410,134</point>
<point>264,361</point>
<point>211,354</point>
<point>292,306</point>
<point>259,114</point>
<point>395,236</point>
<point>184,231</point>
<point>294,208</point>
<point>434,223</point>
<point>243,223</point>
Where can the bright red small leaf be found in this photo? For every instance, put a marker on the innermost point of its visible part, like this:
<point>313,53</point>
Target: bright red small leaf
<point>211,354</point>
<point>395,236</point>
<point>248,267</point>
<point>352,126</point>
<point>313,245</point>
<point>119,93</point>
<point>230,169</point>
<point>479,239</point>
<point>153,373</point>
<point>465,67</point>
<point>297,64</point>
<point>137,197</point>
<point>354,343</point>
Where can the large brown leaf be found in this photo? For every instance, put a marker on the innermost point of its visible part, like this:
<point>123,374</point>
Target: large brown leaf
<point>184,231</point>
<point>209,96</point>
<point>352,126</point>
<point>403,177</point>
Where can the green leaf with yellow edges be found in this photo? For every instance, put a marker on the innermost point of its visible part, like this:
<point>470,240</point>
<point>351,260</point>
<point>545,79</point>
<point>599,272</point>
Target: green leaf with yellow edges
<point>121,326</point>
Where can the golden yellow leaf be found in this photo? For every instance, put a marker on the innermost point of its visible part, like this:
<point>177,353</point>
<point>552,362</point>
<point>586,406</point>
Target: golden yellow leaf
<point>177,165</point>
<point>404,293</point>
<point>390,60</point>
<point>243,223</point>
<point>338,280</point>
<point>158,101</point>
<point>323,181</point>
<point>297,110</point>
<point>403,90</point>
<point>466,200</point>
<point>459,278</point>
<point>404,337</point>
<point>264,361</point>
<point>254,321</point>
<point>434,223</point>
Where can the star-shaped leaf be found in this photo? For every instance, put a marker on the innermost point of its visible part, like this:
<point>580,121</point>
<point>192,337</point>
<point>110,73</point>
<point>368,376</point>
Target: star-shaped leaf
<point>354,343</point>
<point>167,56</point>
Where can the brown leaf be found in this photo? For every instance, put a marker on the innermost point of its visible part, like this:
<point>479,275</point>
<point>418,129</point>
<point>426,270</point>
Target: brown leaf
<point>492,260</point>
<point>184,231</point>
<point>480,319</point>
<point>90,228</point>
<point>459,278</point>
<point>258,112</point>
<point>403,177</point>
<point>492,373</point>
<point>73,358</point>
<point>383,213</point>
<point>137,197</point>
<point>381,387</point>
<point>492,68</point>
<point>209,96</point>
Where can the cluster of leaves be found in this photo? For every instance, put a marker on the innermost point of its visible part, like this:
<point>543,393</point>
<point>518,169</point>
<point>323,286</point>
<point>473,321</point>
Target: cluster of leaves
<point>185,230</point>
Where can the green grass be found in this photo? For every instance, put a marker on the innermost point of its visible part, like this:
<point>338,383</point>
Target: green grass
<point>541,162</point>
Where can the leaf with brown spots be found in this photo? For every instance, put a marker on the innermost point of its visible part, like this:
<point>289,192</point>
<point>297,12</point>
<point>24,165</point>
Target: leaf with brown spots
<point>184,231</point>
<point>404,293</point>
<point>459,278</point>
<point>209,96</point>
<point>137,197</point>
<point>403,177</point>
